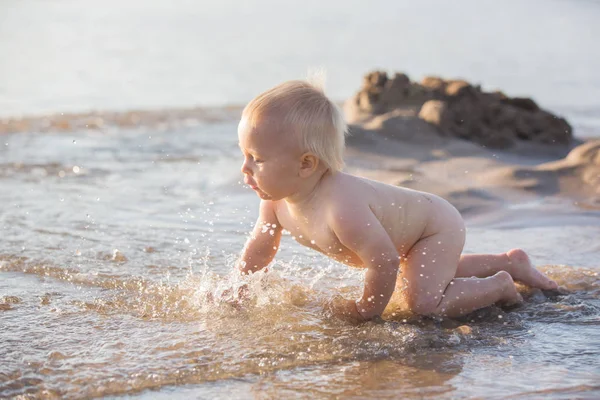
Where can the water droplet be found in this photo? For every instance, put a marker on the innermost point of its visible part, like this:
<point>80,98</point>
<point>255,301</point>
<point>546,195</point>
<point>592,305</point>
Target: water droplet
<point>74,141</point>
<point>76,169</point>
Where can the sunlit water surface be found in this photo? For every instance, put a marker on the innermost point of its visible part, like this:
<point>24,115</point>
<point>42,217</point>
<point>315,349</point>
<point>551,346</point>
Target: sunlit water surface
<point>114,242</point>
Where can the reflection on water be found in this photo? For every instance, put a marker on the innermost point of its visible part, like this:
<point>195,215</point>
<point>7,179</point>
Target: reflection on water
<point>117,251</point>
<point>76,334</point>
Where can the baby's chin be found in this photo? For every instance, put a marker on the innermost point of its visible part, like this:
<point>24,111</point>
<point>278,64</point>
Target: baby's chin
<point>263,195</point>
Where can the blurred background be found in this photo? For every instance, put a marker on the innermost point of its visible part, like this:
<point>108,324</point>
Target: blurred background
<point>81,55</point>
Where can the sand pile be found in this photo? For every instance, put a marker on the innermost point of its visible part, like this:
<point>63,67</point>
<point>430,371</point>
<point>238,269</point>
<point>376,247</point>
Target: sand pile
<point>576,175</point>
<point>480,150</point>
<point>460,109</point>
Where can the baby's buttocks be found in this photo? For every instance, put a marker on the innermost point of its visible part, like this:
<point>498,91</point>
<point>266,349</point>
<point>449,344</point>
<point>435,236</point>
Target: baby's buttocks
<point>443,217</point>
<point>404,213</point>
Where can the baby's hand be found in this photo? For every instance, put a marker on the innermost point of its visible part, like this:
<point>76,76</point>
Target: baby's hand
<point>243,293</point>
<point>228,297</point>
<point>345,309</point>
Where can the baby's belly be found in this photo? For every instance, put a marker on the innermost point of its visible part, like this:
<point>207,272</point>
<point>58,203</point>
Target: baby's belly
<point>347,257</point>
<point>337,251</point>
<point>334,249</point>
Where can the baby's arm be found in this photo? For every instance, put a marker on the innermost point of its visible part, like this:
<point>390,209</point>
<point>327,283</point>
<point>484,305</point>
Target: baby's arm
<point>360,231</point>
<point>263,243</point>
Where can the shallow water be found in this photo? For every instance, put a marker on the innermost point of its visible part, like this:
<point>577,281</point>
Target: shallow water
<point>114,240</point>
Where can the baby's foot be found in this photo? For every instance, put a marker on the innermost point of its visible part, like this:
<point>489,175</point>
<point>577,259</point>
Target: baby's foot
<point>523,271</point>
<point>511,297</point>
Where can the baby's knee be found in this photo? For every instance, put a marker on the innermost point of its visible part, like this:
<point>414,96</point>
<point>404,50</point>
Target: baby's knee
<point>503,277</point>
<point>423,303</point>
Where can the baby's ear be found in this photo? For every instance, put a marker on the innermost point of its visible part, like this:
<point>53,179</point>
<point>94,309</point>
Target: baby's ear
<point>308,164</point>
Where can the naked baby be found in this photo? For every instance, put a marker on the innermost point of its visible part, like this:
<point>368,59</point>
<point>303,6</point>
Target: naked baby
<point>292,139</point>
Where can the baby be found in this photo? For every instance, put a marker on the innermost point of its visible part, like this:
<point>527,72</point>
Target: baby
<point>292,139</point>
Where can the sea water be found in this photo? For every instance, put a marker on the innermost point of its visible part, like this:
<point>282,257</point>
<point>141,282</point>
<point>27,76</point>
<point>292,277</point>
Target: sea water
<point>115,244</point>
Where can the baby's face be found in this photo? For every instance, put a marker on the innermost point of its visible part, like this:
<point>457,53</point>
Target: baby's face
<point>271,160</point>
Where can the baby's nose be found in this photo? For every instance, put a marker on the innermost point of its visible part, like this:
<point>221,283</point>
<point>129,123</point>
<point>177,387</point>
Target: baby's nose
<point>245,169</point>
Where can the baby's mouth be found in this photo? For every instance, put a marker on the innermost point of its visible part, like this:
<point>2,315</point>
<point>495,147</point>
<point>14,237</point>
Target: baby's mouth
<point>250,184</point>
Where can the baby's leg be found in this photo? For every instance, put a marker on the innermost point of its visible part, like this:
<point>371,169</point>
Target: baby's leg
<point>432,289</point>
<point>515,262</point>
<point>465,295</point>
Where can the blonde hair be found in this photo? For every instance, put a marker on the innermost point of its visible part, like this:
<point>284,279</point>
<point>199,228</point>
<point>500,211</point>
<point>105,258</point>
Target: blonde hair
<point>316,121</point>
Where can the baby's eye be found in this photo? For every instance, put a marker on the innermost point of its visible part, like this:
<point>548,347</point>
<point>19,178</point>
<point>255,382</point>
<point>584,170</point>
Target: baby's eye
<point>256,160</point>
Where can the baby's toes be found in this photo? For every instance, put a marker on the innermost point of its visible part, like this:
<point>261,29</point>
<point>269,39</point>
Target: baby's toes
<point>545,282</point>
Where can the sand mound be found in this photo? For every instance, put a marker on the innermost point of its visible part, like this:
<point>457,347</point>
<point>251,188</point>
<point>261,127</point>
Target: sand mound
<point>456,108</point>
<point>577,175</point>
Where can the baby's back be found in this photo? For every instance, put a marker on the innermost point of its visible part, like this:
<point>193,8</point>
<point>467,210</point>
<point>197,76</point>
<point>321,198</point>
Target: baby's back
<point>405,214</point>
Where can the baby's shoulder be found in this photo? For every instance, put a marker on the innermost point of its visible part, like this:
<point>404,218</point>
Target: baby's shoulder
<point>353,187</point>
<point>342,182</point>
<point>347,193</point>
